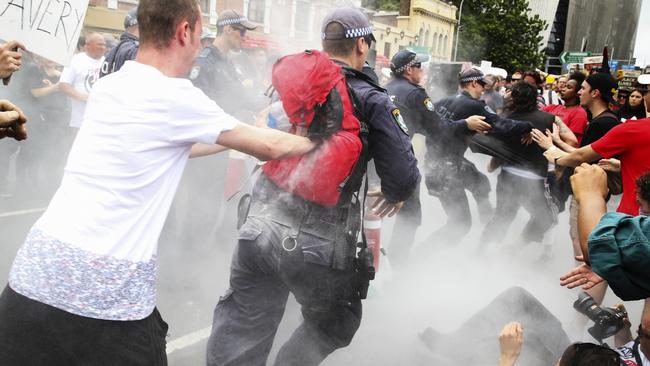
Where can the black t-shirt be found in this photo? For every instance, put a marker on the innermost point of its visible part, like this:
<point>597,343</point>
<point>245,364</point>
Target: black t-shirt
<point>532,153</point>
<point>598,127</point>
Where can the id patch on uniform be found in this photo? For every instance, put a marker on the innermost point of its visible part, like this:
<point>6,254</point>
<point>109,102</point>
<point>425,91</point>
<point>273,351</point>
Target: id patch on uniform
<point>429,104</point>
<point>397,116</point>
<point>489,110</point>
<point>196,69</point>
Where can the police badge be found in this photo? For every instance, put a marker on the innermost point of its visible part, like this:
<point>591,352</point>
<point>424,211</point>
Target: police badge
<point>429,104</point>
<point>196,69</point>
<point>397,116</point>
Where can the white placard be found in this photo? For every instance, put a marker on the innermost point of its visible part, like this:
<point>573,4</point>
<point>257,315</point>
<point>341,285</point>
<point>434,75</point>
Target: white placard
<point>49,28</point>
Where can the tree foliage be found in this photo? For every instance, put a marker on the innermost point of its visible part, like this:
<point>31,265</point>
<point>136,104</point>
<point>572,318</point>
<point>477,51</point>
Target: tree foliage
<point>387,5</point>
<point>501,31</point>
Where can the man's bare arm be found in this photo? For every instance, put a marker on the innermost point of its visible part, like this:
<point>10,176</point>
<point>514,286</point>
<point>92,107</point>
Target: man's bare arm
<point>584,154</point>
<point>199,150</point>
<point>264,143</point>
<point>72,93</point>
<point>589,184</point>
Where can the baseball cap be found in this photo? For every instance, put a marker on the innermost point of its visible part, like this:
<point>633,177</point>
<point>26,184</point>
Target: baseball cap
<point>405,58</point>
<point>131,18</point>
<point>643,79</point>
<point>206,33</point>
<point>355,24</point>
<point>472,74</point>
<point>605,83</point>
<point>231,17</point>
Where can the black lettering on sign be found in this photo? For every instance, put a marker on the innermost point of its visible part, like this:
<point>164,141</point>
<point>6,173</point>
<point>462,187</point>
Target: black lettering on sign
<point>21,7</point>
<point>47,8</point>
<point>66,6</point>
<point>32,20</point>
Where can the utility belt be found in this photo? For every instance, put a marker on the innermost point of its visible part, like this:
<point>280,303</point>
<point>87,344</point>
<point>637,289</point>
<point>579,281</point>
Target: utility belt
<point>340,224</point>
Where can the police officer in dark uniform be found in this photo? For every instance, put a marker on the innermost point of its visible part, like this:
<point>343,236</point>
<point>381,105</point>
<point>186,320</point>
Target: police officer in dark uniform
<point>218,77</point>
<point>420,116</point>
<point>126,49</point>
<point>448,173</point>
<point>267,266</point>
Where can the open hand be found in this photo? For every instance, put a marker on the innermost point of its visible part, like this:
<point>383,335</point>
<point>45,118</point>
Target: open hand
<point>581,276</point>
<point>610,165</point>
<point>544,140</point>
<point>381,207</point>
<point>477,124</point>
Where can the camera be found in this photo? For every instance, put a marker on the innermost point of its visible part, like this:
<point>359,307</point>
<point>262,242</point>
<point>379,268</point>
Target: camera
<point>607,321</point>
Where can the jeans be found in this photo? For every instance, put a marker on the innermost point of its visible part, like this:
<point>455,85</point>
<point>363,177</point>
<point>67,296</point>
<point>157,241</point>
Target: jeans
<point>33,333</point>
<point>263,272</point>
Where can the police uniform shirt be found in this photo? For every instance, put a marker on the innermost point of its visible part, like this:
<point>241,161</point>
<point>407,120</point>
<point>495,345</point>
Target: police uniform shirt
<point>419,111</point>
<point>463,106</point>
<point>218,78</point>
<point>389,143</point>
<point>125,50</point>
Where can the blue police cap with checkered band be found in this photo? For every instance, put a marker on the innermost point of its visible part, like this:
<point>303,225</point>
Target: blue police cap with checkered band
<point>231,17</point>
<point>355,24</point>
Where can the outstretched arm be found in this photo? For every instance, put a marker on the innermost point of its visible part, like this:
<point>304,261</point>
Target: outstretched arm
<point>265,143</point>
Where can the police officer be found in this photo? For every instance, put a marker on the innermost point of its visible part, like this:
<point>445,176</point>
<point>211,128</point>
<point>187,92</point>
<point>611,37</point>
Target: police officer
<point>217,76</point>
<point>267,265</point>
<point>448,173</point>
<point>420,117</point>
<point>126,48</point>
<point>207,37</point>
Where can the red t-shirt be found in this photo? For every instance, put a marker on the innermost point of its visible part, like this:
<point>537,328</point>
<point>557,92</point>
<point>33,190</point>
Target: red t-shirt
<point>574,117</point>
<point>628,142</point>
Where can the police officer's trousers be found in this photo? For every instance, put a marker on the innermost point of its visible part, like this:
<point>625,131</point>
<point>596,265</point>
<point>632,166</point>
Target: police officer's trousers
<point>407,222</point>
<point>448,181</point>
<point>265,268</point>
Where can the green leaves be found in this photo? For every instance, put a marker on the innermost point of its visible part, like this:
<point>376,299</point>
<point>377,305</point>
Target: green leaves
<point>501,31</point>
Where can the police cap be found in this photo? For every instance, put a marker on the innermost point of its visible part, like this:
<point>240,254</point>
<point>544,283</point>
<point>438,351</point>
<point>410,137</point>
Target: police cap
<point>405,58</point>
<point>231,17</point>
<point>355,24</point>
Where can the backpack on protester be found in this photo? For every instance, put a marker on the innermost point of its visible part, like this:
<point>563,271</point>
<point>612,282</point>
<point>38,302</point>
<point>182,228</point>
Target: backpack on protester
<point>318,103</point>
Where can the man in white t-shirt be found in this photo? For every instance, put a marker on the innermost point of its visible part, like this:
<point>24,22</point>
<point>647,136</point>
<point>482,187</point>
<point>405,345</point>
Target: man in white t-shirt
<point>633,351</point>
<point>79,77</point>
<point>82,287</point>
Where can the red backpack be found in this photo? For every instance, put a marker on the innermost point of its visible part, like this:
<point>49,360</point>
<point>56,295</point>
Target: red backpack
<point>314,92</point>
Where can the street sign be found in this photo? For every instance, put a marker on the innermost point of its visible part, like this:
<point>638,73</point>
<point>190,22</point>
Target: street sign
<point>573,57</point>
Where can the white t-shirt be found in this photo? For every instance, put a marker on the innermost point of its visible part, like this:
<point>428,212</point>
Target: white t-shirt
<point>93,251</point>
<point>82,73</point>
<point>627,355</point>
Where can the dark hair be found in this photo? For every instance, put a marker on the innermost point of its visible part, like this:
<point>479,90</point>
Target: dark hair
<point>158,20</point>
<point>338,47</point>
<point>535,75</point>
<point>589,354</point>
<point>578,77</point>
<point>81,42</point>
<point>524,97</point>
<point>643,186</point>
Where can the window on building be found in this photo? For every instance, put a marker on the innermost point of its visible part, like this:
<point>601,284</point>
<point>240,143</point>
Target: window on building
<point>256,10</point>
<point>445,45</point>
<point>439,43</point>
<point>434,43</point>
<point>426,38</point>
<point>421,37</point>
<point>387,50</point>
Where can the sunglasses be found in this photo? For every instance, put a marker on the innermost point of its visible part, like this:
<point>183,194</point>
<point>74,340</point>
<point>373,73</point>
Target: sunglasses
<point>417,65</point>
<point>242,31</point>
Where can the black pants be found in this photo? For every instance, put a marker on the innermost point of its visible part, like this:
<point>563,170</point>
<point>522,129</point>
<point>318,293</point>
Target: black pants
<point>448,181</point>
<point>262,275</point>
<point>514,192</point>
<point>32,333</point>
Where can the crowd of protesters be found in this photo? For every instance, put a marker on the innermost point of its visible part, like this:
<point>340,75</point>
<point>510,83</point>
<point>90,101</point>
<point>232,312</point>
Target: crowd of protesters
<point>576,138</point>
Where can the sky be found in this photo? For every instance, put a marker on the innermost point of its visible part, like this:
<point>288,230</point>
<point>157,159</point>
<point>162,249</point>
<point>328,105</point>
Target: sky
<point>642,47</point>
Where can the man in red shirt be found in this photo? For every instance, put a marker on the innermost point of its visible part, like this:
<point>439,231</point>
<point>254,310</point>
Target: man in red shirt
<point>628,142</point>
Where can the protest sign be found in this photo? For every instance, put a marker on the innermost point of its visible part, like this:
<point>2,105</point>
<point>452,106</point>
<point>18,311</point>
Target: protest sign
<point>49,28</point>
